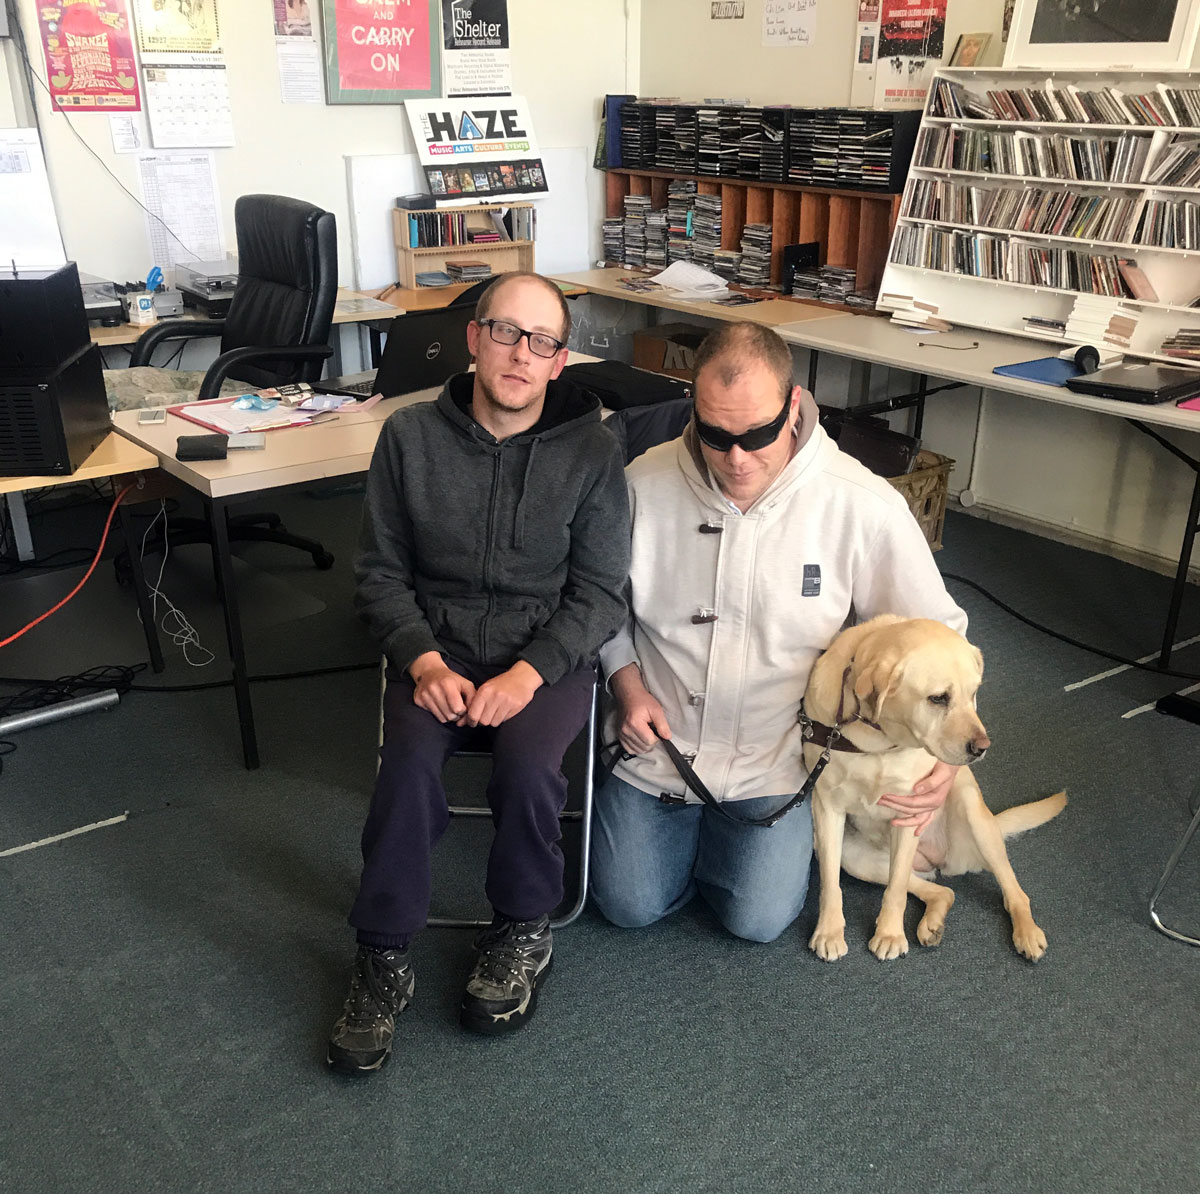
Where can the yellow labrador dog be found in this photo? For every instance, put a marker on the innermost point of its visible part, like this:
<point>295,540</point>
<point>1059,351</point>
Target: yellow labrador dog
<point>904,693</point>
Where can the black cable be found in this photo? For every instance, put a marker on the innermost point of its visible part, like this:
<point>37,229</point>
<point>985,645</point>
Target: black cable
<point>266,679</point>
<point>24,50</point>
<point>1065,638</point>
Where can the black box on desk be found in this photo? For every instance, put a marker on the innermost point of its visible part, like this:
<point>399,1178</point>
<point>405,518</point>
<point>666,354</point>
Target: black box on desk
<point>43,323</point>
<point>51,421</point>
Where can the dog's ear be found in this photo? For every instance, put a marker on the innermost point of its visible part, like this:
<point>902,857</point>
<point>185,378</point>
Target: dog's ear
<point>876,681</point>
<point>978,659</point>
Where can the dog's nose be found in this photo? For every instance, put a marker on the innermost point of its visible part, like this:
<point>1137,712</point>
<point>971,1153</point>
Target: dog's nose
<point>977,747</point>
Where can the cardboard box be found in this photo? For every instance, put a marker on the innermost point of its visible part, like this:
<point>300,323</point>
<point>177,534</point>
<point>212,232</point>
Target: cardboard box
<point>669,348</point>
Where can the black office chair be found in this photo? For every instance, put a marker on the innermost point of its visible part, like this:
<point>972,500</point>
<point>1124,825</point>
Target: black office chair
<point>277,330</point>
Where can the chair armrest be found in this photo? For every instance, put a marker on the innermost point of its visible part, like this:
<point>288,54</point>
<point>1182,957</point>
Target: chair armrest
<point>172,329</point>
<point>219,369</point>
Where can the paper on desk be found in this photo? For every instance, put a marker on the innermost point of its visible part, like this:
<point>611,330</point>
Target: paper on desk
<point>226,418</point>
<point>692,281</point>
<point>357,306</point>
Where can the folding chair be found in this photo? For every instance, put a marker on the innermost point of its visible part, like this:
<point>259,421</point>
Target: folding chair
<point>583,814</point>
<point>1172,863</point>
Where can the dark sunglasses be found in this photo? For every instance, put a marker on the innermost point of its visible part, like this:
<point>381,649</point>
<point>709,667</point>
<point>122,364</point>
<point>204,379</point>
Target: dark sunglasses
<point>753,440</point>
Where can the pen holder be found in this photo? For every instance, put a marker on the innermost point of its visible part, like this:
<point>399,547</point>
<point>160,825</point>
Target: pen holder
<point>140,305</point>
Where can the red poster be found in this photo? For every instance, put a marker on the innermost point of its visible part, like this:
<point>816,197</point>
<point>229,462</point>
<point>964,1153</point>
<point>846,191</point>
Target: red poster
<point>912,29</point>
<point>383,45</point>
<point>89,55</point>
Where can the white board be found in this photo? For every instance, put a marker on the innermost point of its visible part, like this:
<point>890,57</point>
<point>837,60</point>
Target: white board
<point>564,221</point>
<point>29,234</point>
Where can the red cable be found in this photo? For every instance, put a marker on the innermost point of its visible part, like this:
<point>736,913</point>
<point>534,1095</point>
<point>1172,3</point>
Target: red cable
<point>12,638</point>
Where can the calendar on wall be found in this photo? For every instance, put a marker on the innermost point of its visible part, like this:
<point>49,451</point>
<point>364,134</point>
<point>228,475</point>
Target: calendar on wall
<point>188,106</point>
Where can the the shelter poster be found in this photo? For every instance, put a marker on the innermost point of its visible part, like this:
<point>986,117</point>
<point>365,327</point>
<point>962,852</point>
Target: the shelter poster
<point>89,55</point>
<point>475,59</point>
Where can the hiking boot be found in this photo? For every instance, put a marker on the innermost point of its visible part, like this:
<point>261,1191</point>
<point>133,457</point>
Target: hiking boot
<point>513,961</point>
<point>380,988</point>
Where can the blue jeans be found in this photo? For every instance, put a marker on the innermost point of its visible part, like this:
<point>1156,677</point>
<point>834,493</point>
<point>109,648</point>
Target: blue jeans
<point>649,858</point>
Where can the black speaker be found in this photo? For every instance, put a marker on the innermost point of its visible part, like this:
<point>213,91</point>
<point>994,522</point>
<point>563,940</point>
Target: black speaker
<point>52,421</point>
<point>1087,359</point>
<point>42,320</point>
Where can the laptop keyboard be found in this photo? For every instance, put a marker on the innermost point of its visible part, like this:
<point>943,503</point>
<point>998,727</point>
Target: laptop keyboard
<point>365,388</point>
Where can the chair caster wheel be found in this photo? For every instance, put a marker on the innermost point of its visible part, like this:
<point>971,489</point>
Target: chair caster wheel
<point>323,560</point>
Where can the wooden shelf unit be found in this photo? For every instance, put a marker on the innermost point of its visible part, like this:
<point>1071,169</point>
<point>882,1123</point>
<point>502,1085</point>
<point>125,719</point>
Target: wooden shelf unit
<point>503,256</point>
<point>999,304</point>
<point>853,228</point>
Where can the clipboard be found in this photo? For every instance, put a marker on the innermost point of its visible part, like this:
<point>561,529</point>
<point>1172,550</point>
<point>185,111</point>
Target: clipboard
<point>241,420</point>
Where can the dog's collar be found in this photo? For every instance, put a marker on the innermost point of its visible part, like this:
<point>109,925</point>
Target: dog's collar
<point>831,737</point>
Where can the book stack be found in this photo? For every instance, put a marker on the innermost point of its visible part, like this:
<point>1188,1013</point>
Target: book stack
<point>636,207</point>
<point>755,266</point>
<point>1042,325</point>
<point>484,238</point>
<point>1184,345</point>
<point>706,229</point>
<point>1098,320</point>
<point>614,240</point>
<point>912,312</point>
<point>468,271</point>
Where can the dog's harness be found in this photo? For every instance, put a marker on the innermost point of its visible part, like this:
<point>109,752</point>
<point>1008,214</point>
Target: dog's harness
<point>830,737</point>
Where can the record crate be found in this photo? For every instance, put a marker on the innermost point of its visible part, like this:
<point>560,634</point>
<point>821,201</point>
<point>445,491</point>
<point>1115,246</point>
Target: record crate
<point>925,489</point>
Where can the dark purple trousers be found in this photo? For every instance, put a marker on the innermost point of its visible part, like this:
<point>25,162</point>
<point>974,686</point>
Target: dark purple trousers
<point>408,812</point>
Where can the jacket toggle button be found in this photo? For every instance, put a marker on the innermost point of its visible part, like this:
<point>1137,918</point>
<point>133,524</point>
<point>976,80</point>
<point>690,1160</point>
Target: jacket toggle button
<point>704,616</point>
<point>695,698</point>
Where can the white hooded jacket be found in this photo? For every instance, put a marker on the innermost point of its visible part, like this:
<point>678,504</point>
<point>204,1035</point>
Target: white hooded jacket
<point>828,543</point>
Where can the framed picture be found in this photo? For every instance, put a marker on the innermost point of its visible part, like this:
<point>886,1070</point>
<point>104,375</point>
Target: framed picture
<point>969,49</point>
<point>381,53</point>
<point>1100,34</point>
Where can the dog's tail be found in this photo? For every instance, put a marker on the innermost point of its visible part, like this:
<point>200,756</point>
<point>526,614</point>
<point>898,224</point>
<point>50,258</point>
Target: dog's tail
<point>1029,816</point>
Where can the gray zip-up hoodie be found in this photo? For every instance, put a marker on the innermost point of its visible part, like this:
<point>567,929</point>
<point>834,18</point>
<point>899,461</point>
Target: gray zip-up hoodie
<point>495,551</point>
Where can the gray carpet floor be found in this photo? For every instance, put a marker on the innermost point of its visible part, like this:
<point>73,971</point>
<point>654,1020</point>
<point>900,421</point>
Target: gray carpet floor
<point>166,983</point>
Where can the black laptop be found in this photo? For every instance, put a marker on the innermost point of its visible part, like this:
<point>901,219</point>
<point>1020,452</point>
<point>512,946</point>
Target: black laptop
<point>1138,383</point>
<point>423,349</point>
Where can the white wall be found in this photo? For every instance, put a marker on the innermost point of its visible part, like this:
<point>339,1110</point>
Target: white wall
<point>565,57</point>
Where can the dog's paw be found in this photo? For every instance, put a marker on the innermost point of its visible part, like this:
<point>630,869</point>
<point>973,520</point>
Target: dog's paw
<point>931,929</point>
<point>886,946</point>
<point>828,945</point>
<point>1030,941</point>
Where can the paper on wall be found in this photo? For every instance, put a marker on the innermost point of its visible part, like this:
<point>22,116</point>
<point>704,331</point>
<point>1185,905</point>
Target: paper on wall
<point>29,233</point>
<point>789,22</point>
<point>180,189</point>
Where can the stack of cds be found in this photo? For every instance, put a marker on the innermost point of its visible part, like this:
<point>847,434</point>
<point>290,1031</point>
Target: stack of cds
<point>708,141</point>
<point>614,240</point>
<point>636,207</point>
<point>638,141</point>
<point>806,283</point>
<point>851,147</point>
<point>836,284</point>
<point>681,195</point>
<point>750,142</point>
<point>685,139</point>
<point>825,147</point>
<point>706,229</point>
<point>755,268</point>
<point>664,138</point>
<point>726,263</point>
<point>468,271</point>
<point>731,138</point>
<point>656,237</point>
<point>772,164</point>
<point>877,150</point>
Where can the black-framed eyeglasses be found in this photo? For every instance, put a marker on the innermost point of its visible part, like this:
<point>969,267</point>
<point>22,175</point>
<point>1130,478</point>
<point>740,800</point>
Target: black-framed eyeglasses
<point>753,440</point>
<point>503,332</point>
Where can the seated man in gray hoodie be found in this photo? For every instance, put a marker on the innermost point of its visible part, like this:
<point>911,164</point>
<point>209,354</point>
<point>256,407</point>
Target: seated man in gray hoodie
<point>494,553</point>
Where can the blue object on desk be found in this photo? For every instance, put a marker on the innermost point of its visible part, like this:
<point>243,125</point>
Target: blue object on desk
<point>154,279</point>
<point>1052,371</point>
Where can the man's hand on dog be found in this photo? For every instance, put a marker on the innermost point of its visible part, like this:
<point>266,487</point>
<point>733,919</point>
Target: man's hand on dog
<point>641,714</point>
<point>918,808</point>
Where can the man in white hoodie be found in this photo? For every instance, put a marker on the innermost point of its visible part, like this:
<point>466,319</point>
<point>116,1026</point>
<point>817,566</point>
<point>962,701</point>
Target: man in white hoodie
<point>754,541</point>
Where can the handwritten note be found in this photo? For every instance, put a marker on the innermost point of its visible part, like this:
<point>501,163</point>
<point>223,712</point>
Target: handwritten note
<point>789,22</point>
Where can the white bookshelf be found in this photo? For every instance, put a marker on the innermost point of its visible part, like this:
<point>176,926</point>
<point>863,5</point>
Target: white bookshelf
<point>1000,303</point>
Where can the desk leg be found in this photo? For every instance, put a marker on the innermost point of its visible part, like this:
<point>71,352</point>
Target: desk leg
<point>132,547</point>
<point>1181,574</point>
<point>18,519</point>
<point>919,409</point>
<point>813,357</point>
<point>227,587</point>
